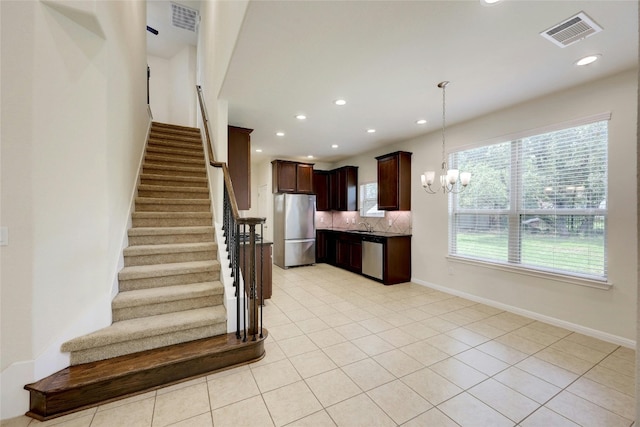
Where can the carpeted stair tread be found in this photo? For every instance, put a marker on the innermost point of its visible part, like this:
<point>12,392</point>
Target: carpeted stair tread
<point>169,188</point>
<point>175,151</point>
<point>186,161</point>
<point>176,145</point>
<point>170,269</point>
<point>161,215</point>
<point>188,181</point>
<point>169,169</point>
<point>165,235</point>
<point>169,248</point>
<point>175,127</point>
<point>162,231</point>
<point>175,132</point>
<point>133,329</point>
<point>165,294</point>
<point>170,201</point>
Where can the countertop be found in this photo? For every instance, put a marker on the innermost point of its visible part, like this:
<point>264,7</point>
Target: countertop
<point>364,233</point>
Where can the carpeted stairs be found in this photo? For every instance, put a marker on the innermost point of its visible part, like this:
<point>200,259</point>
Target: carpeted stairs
<point>169,290</point>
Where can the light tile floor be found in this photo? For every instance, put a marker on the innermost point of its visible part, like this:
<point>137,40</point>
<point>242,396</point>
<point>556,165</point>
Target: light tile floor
<point>347,351</point>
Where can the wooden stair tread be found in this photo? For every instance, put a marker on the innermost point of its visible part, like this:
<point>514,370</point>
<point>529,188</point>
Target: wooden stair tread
<point>83,386</point>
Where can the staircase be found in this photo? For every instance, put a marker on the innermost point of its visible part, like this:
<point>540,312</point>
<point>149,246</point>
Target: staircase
<point>170,301</point>
<point>169,287</point>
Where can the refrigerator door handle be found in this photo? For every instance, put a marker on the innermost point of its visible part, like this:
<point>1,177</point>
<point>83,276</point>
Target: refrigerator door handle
<point>299,240</point>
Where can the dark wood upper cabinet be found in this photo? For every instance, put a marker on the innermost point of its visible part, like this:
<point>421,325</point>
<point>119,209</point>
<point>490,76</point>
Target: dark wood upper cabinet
<point>344,188</point>
<point>292,177</point>
<point>304,178</point>
<point>239,163</point>
<point>394,181</point>
<point>322,188</point>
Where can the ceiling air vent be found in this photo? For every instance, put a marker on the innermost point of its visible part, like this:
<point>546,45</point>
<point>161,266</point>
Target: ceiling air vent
<point>572,30</point>
<point>184,17</point>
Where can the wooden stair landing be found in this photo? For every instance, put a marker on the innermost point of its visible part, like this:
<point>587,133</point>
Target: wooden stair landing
<point>91,384</point>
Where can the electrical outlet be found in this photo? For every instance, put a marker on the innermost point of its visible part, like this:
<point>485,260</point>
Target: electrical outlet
<point>321,219</point>
<point>390,222</point>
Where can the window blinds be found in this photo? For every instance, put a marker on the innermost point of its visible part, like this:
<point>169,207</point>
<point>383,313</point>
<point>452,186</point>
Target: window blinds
<point>538,202</point>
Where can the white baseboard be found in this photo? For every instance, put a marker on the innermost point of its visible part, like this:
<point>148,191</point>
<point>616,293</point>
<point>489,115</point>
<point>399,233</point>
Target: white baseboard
<point>604,336</point>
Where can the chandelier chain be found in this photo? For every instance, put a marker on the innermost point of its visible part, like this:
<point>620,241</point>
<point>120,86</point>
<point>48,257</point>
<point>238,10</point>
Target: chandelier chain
<point>444,86</point>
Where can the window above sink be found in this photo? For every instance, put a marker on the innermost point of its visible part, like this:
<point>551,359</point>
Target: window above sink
<point>369,200</point>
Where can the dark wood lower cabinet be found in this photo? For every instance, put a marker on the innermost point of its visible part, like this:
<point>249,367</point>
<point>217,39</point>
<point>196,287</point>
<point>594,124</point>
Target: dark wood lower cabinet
<point>263,269</point>
<point>349,253</point>
<point>344,249</point>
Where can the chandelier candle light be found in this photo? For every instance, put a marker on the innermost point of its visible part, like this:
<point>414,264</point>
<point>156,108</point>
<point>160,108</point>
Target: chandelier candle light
<point>449,178</point>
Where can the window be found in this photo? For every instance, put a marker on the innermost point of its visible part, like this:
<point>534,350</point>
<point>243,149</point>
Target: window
<point>369,200</point>
<point>537,202</point>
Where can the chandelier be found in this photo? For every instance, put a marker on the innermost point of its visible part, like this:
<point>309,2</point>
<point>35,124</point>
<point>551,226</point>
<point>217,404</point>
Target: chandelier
<point>451,180</point>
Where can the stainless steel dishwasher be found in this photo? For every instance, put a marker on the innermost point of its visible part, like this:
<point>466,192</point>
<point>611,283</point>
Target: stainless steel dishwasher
<point>372,256</point>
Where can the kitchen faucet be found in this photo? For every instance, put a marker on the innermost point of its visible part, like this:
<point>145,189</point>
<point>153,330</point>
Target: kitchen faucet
<point>367,226</point>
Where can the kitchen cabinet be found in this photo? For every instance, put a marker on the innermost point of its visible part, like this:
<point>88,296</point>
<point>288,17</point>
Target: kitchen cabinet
<point>344,188</point>
<point>292,177</point>
<point>394,181</point>
<point>304,178</point>
<point>352,251</point>
<point>348,250</point>
<point>264,271</point>
<point>239,163</point>
<point>322,187</point>
<point>337,189</point>
<point>323,239</point>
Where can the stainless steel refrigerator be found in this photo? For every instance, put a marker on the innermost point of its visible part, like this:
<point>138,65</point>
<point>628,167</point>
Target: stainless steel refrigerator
<point>294,229</point>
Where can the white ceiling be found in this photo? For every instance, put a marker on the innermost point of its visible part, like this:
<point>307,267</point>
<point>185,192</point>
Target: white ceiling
<point>169,40</point>
<point>387,57</point>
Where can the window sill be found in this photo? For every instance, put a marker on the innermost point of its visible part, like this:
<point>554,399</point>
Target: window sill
<point>574,280</point>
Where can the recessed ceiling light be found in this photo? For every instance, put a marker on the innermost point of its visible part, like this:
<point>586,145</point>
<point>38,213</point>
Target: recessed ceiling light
<point>371,130</point>
<point>587,60</point>
<point>309,156</point>
<point>340,102</point>
<point>301,117</point>
<point>334,146</point>
<point>489,1</point>
<point>258,150</point>
<point>421,122</point>
<point>279,133</point>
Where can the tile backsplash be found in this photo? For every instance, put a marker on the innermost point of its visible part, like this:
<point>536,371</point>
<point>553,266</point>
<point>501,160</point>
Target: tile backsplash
<point>400,221</point>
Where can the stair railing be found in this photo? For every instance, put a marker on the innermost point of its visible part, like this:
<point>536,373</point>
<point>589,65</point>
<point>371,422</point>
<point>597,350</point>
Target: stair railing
<point>240,237</point>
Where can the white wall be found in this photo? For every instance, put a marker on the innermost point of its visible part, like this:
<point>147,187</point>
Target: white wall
<point>159,85</point>
<point>73,129</point>
<point>217,34</point>
<point>172,87</point>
